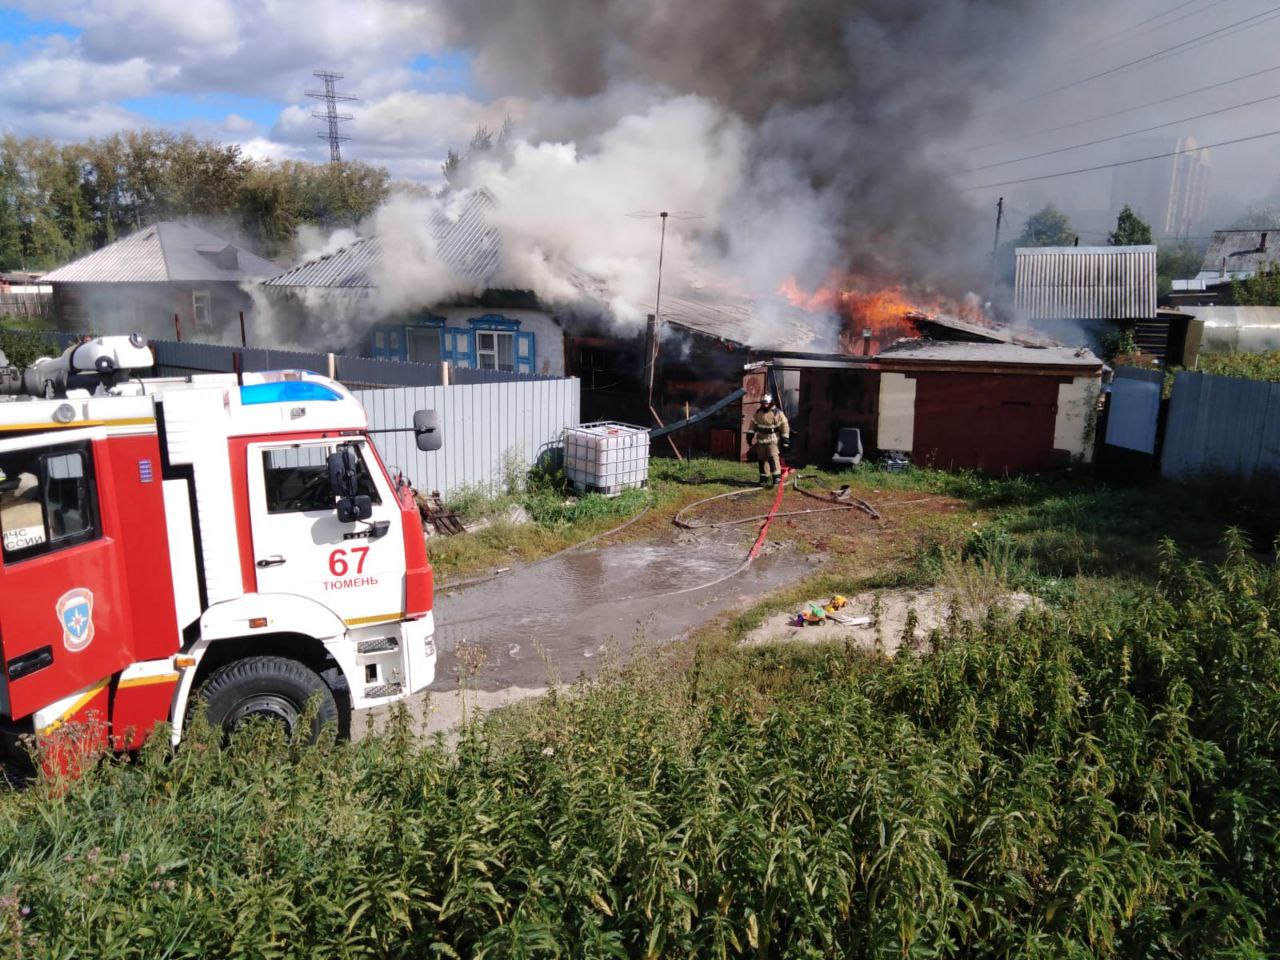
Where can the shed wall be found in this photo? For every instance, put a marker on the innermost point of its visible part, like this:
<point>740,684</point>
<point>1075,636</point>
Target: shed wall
<point>1086,283</point>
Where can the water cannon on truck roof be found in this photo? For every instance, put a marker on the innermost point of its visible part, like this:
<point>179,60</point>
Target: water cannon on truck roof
<point>228,541</point>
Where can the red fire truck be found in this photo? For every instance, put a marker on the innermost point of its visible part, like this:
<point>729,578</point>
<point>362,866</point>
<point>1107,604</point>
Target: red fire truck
<point>230,540</point>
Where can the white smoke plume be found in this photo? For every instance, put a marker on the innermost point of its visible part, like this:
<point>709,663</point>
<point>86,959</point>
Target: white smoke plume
<point>799,134</point>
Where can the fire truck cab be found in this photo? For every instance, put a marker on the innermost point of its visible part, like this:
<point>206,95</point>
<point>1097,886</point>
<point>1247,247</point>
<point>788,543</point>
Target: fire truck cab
<point>231,541</point>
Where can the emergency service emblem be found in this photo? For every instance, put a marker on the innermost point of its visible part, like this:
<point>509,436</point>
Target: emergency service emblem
<point>75,613</point>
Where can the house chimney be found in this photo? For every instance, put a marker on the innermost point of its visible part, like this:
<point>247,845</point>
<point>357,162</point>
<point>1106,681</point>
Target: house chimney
<point>866,341</point>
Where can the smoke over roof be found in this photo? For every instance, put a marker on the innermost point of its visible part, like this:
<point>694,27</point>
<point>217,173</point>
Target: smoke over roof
<point>816,115</point>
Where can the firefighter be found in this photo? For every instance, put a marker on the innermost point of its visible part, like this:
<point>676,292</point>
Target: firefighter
<point>769,427</point>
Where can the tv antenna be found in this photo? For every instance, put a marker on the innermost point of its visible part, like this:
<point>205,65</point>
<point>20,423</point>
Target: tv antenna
<point>654,338</point>
<point>330,96</point>
<point>663,215</point>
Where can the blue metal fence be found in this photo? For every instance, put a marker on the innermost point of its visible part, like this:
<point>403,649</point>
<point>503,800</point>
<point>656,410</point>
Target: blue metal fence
<point>1222,425</point>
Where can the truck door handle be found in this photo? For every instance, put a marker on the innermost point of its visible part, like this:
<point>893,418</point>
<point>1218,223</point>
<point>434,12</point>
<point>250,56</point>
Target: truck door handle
<point>272,561</point>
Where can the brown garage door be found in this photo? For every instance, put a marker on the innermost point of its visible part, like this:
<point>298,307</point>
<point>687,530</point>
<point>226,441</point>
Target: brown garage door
<point>993,423</point>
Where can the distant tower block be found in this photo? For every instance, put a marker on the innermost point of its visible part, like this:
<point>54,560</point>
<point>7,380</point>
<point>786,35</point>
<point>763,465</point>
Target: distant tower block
<point>331,116</point>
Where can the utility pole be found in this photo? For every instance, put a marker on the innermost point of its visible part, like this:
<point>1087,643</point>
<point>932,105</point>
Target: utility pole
<point>995,246</point>
<point>331,116</point>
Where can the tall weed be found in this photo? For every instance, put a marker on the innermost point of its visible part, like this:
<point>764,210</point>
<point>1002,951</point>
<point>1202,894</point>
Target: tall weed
<point>1098,781</point>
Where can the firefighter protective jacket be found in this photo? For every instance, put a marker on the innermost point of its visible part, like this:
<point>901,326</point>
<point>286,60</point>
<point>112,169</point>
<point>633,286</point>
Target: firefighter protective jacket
<point>769,425</point>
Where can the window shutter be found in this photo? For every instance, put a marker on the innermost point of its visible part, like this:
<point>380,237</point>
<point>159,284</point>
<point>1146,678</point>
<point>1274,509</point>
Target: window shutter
<point>524,353</point>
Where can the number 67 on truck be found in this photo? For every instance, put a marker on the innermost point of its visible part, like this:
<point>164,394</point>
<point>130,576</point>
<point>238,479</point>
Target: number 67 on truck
<point>230,541</point>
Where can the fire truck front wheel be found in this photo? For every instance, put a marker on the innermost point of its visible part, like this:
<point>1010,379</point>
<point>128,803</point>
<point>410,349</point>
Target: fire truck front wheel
<point>270,688</point>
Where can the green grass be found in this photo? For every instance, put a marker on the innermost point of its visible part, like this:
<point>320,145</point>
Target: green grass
<point>1098,781</point>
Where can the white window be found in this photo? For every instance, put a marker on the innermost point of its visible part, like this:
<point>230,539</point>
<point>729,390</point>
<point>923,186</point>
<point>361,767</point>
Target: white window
<point>200,301</point>
<point>495,350</point>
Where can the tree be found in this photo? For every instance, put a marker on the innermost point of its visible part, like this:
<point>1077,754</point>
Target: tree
<point>456,165</point>
<point>1177,261</point>
<point>1049,227</point>
<point>1260,290</point>
<point>1131,230</point>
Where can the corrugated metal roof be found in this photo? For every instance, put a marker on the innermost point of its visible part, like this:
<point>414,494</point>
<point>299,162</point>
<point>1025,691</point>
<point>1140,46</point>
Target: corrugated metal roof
<point>468,244</point>
<point>935,351</point>
<point>169,251</point>
<point>1085,283</point>
<point>741,321</point>
<point>346,267</point>
<point>1241,251</point>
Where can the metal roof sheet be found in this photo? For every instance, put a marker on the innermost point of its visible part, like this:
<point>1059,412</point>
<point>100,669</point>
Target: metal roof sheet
<point>741,321</point>
<point>346,267</point>
<point>934,351</point>
<point>168,251</point>
<point>1241,251</point>
<point>468,244</point>
<point>1085,283</point>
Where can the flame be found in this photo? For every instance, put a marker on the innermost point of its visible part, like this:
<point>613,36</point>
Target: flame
<point>886,310</point>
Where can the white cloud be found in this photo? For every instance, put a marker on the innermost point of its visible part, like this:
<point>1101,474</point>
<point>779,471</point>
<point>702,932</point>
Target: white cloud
<point>260,148</point>
<point>52,82</point>
<point>260,47</point>
<point>68,87</point>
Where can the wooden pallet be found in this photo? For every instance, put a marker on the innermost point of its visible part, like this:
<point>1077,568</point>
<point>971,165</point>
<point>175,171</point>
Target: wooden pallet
<point>442,519</point>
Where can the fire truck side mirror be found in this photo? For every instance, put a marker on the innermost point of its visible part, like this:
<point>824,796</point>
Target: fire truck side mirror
<point>426,430</point>
<point>351,509</point>
<point>344,471</point>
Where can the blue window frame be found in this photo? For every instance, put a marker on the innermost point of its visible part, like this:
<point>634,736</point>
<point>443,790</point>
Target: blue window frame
<point>506,346</point>
<point>391,341</point>
<point>499,344</point>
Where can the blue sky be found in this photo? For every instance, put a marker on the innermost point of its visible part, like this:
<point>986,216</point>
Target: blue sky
<point>237,71</point>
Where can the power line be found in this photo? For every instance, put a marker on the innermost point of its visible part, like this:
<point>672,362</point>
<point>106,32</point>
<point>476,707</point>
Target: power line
<point>1143,23</point>
<point>1114,113</point>
<point>1190,13</point>
<point>1124,163</point>
<point>1123,38</point>
<point>1210,36</point>
<point>1122,136</point>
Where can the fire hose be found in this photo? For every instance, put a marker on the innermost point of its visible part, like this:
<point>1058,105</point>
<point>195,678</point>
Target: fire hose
<point>681,521</point>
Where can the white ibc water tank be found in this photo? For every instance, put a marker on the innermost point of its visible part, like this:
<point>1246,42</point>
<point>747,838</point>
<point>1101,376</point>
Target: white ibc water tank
<point>606,457</point>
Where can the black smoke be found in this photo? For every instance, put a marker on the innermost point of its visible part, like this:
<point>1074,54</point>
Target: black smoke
<point>844,101</point>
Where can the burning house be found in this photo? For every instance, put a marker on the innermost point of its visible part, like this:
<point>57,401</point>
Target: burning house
<point>339,295</point>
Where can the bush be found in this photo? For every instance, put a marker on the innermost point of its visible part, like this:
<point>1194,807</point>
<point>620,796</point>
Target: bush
<point>23,345</point>
<point>1097,782</point>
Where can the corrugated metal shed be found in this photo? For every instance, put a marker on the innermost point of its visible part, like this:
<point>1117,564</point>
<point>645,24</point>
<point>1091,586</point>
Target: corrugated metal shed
<point>1241,251</point>
<point>165,252</point>
<point>1085,283</point>
<point>467,243</point>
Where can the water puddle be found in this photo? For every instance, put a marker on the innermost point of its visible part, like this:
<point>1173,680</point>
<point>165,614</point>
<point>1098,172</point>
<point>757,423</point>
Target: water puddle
<point>553,621</point>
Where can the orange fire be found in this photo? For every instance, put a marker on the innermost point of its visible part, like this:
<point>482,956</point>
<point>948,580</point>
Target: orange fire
<point>887,312</point>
